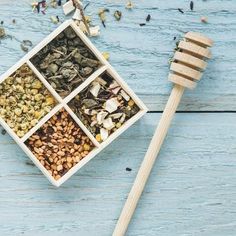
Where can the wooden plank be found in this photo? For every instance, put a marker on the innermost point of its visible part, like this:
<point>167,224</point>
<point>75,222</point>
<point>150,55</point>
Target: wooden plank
<point>141,54</point>
<point>191,190</point>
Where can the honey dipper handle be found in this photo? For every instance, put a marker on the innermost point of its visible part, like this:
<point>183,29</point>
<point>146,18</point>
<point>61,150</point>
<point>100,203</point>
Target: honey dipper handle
<point>148,161</point>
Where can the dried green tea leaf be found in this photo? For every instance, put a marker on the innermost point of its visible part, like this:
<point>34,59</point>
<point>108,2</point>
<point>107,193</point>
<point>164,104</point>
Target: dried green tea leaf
<point>148,18</point>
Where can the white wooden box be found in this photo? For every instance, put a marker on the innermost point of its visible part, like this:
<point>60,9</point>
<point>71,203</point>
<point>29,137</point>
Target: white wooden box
<point>62,102</point>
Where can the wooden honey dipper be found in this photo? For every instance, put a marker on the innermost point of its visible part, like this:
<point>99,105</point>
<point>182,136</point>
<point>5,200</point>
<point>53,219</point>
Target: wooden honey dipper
<point>187,66</point>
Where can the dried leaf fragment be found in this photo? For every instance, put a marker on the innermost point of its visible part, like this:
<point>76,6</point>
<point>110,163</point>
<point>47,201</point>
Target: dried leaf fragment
<point>68,7</point>
<point>2,32</point>
<point>117,15</point>
<point>106,55</point>
<point>104,134</point>
<point>111,105</point>
<point>77,15</point>
<point>129,5</point>
<point>148,18</point>
<point>191,5</point>
<point>204,19</point>
<point>102,15</point>
<point>181,10</point>
<point>94,31</point>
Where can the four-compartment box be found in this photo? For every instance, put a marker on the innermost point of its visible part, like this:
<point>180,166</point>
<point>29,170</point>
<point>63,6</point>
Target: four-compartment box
<point>63,103</point>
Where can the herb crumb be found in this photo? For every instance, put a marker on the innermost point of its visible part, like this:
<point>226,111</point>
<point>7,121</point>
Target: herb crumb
<point>181,10</point>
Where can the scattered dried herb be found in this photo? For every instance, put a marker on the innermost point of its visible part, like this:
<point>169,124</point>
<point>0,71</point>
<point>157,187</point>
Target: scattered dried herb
<point>3,131</point>
<point>25,45</point>
<point>181,10</point>
<point>106,55</point>
<point>191,5</point>
<point>174,38</point>
<point>86,6</point>
<point>129,5</point>
<point>59,2</point>
<point>102,15</point>
<point>78,5</point>
<point>117,15</point>
<point>148,18</point>
<point>2,33</point>
<point>14,21</point>
<point>142,24</point>
<point>2,22</point>
<point>128,169</point>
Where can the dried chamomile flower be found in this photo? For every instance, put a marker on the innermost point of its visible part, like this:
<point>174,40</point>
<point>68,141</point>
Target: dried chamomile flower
<point>129,5</point>
<point>24,100</point>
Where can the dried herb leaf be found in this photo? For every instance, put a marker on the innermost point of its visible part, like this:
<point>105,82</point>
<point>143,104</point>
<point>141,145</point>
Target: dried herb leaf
<point>142,24</point>
<point>148,18</point>
<point>117,15</point>
<point>191,5</point>
<point>181,10</point>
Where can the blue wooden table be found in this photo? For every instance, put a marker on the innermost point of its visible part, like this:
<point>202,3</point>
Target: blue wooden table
<point>192,188</point>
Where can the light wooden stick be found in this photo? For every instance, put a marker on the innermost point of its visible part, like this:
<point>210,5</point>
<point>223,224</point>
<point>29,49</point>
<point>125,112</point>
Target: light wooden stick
<point>187,66</point>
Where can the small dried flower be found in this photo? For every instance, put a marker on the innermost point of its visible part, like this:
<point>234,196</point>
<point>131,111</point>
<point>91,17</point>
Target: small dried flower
<point>129,5</point>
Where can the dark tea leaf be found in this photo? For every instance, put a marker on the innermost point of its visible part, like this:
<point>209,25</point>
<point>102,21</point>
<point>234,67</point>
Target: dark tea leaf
<point>180,10</point>
<point>148,18</point>
<point>191,5</point>
<point>142,24</point>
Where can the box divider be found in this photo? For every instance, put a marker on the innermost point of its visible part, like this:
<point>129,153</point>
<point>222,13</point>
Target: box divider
<point>42,121</point>
<point>45,82</point>
<point>81,125</point>
<point>85,83</point>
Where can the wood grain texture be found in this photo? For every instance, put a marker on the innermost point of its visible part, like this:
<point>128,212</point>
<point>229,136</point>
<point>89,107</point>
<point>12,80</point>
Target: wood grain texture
<point>192,187</point>
<point>141,54</point>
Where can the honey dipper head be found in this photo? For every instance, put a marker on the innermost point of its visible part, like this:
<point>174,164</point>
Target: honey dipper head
<point>189,60</point>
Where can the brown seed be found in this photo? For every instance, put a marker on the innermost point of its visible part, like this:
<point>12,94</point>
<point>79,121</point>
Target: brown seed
<point>59,167</point>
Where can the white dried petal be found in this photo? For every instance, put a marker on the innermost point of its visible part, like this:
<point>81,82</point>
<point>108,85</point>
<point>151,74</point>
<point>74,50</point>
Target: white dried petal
<point>114,85</point>
<point>104,134</point>
<point>93,123</point>
<point>108,124</point>
<point>68,7</point>
<point>101,116</point>
<point>90,112</point>
<point>125,95</point>
<point>111,105</point>
<point>116,115</point>
<point>94,31</point>
<point>82,27</point>
<point>95,89</point>
<point>116,90</point>
<point>122,119</point>
<point>101,81</point>
<point>77,15</point>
